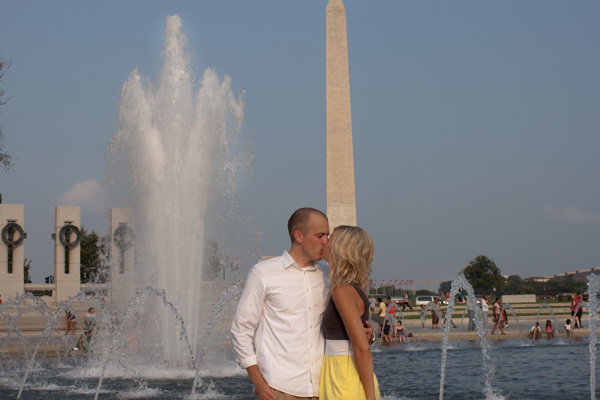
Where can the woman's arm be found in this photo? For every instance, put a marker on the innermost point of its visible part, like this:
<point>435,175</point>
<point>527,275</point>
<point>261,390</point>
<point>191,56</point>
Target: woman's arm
<point>350,306</point>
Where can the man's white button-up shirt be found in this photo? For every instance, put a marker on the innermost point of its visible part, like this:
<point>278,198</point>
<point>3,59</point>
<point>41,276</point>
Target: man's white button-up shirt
<point>281,309</point>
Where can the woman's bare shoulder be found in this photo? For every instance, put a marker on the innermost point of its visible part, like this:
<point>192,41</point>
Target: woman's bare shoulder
<point>345,293</point>
<point>345,289</point>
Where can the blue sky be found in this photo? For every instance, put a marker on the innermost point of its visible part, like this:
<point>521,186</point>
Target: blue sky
<point>476,124</point>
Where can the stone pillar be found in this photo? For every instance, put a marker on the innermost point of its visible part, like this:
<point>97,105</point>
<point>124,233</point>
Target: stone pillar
<point>12,254</point>
<point>122,243</point>
<point>67,235</point>
<point>341,199</point>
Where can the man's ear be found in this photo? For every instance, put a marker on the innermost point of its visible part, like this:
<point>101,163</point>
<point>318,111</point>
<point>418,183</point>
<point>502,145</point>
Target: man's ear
<point>298,236</point>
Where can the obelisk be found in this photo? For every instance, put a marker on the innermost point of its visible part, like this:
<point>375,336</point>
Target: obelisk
<point>341,202</point>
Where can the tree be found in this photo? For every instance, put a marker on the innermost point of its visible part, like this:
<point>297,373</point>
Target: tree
<point>483,274</point>
<point>27,270</point>
<point>516,285</point>
<point>566,284</point>
<point>445,287</point>
<point>5,157</point>
<point>92,247</point>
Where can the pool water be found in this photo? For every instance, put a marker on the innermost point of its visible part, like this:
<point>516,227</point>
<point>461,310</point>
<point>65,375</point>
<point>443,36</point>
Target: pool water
<point>524,370</point>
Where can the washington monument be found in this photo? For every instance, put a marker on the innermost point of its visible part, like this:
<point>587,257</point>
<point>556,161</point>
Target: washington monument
<point>341,201</point>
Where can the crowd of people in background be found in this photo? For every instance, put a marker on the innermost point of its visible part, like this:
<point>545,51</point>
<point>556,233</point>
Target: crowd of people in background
<point>391,327</point>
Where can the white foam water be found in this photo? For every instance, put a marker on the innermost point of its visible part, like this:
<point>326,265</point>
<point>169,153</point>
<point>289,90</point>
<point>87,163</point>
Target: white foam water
<point>173,162</point>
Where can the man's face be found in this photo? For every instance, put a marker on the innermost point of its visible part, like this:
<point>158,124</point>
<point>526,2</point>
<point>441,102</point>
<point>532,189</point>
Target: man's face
<point>315,237</point>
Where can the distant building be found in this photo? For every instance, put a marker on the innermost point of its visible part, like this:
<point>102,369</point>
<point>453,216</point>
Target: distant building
<point>542,279</point>
<point>577,274</point>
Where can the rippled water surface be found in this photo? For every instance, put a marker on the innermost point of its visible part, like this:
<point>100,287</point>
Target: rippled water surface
<point>555,369</point>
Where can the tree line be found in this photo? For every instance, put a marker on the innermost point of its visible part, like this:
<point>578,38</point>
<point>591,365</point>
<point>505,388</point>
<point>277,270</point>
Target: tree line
<point>485,277</point>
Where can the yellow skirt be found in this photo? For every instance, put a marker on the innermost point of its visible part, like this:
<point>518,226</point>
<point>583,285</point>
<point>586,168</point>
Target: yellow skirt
<point>340,380</point>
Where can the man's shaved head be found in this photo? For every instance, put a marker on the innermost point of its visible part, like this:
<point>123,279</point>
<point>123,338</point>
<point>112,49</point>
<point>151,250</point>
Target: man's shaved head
<point>299,219</point>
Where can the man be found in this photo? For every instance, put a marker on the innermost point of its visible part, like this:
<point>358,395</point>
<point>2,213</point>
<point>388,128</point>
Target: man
<point>535,331</point>
<point>485,308</point>
<point>371,306</point>
<point>281,308</point>
<point>382,309</point>
<point>280,311</point>
<point>406,301</point>
<point>391,314</point>
<point>471,313</point>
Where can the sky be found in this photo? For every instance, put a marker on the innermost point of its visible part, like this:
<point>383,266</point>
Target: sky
<point>476,124</point>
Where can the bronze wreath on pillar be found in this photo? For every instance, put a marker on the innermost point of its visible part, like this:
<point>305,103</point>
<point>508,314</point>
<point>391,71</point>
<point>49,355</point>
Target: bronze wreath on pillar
<point>65,236</point>
<point>8,234</point>
<point>123,237</point>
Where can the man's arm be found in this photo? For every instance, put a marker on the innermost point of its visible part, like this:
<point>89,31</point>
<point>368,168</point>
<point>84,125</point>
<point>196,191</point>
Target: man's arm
<point>243,328</point>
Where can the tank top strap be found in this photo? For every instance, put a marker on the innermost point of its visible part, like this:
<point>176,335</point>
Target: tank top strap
<point>365,315</point>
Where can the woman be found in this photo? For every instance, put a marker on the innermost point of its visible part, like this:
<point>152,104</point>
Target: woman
<point>347,371</point>
<point>579,313</point>
<point>498,316</point>
<point>435,314</point>
<point>504,318</point>
<point>86,337</point>
<point>549,329</point>
<point>401,332</point>
<point>90,320</point>
<point>385,336</point>
<point>70,322</point>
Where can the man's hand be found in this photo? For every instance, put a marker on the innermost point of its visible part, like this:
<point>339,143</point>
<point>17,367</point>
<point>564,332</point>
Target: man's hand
<point>265,392</point>
<point>369,332</point>
<point>261,387</point>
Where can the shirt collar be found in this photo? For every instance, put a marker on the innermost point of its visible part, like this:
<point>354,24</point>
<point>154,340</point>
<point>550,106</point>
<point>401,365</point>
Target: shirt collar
<point>289,262</point>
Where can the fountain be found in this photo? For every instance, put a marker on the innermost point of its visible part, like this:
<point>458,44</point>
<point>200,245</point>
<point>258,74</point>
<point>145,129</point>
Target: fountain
<point>460,282</point>
<point>593,292</point>
<point>174,161</point>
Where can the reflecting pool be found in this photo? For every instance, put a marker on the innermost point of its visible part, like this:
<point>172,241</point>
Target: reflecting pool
<point>525,370</point>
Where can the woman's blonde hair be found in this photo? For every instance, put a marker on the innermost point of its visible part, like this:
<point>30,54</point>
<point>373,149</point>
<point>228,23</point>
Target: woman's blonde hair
<point>350,256</point>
